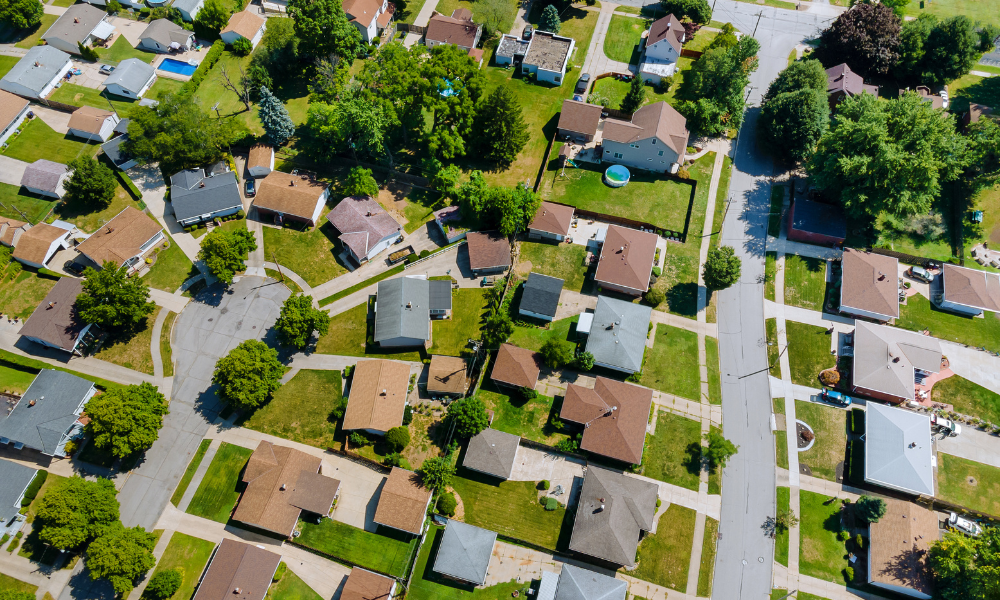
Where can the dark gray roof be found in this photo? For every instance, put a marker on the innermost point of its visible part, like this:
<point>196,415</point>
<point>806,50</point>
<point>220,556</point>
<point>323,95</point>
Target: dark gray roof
<point>541,294</point>
<point>440,294</point>
<point>611,533</point>
<point>76,24</point>
<point>818,217</point>
<point>50,60</point>
<point>165,31</point>
<point>192,196</point>
<point>58,396</point>
<point>15,478</point>
<point>403,309</point>
<point>464,552</point>
<point>187,179</point>
<point>618,334</point>
<point>122,126</point>
<point>114,151</point>
<point>131,74</point>
<point>576,583</point>
<point>898,452</point>
<point>491,451</point>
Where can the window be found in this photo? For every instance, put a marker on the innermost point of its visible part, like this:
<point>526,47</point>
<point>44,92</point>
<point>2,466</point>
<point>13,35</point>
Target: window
<point>660,153</point>
<point>654,141</point>
<point>618,154</point>
<point>633,145</point>
<point>558,79</point>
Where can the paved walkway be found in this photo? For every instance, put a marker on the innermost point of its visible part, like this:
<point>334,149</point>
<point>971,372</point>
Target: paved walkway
<point>158,550</point>
<point>597,62</point>
<point>786,580</point>
<point>154,343</point>
<point>699,327</point>
<point>306,289</point>
<point>171,302</point>
<point>48,581</point>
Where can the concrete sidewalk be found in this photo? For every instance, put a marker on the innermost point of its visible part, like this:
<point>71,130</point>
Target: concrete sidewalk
<point>597,63</point>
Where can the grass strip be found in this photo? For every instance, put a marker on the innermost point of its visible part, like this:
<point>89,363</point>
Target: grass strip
<point>166,357</point>
<point>707,571</point>
<point>23,363</point>
<point>189,473</point>
<point>361,286</point>
<point>781,536</point>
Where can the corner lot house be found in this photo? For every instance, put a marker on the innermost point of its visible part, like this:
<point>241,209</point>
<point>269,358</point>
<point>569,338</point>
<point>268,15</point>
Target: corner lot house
<point>261,160</point>
<point>886,360</point>
<point>291,197</point>
<point>583,584</point>
<point>613,416</point>
<point>655,139</point>
<point>578,121</point>
<point>613,510</point>
<point>16,479</point>
<point>405,307</point>
<point>898,547</point>
<point>403,502</point>
<point>246,25</point>
<point>371,17</point>
<point>552,221</point>
<point>55,323</point>
<point>366,229</point>
<point>36,246</point>
<point>47,415</point>
<point>516,367</point>
<point>365,585</point>
<point>898,450</point>
<point>447,377</point>
<point>45,178</point>
<point>189,8</point>
<point>36,75</point>
<point>489,252</point>
<point>842,83</point>
<point>816,223</point>
<point>618,334</point>
<point>464,553</point>
<point>80,24</point>
<point>492,452</point>
<point>457,30</point>
<point>92,123</point>
<point>626,262</point>
<point>540,297</point>
<point>124,240</point>
<point>163,34</point>
<point>238,566</point>
<point>198,197</point>
<point>967,291</point>
<point>662,49</point>
<point>13,111</point>
<point>378,396</point>
<point>545,55</point>
<point>131,79</point>
<point>870,286</point>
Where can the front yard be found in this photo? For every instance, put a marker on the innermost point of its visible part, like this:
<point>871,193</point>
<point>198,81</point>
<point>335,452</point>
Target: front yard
<point>971,484</point>
<point>805,281</point>
<point>968,398</point>
<point>189,555</point>
<point>347,336</point>
<point>808,352</point>
<point>9,584</point>
<point>612,91</point>
<point>38,140</point>
<point>131,351</point>
<point>821,554</point>
<point>673,455</point>
<point>171,269</point>
<point>672,363</point>
<point>386,553</point>
<point>664,558</point>
<point>301,410</point>
<point>830,446</point>
<point>451,336</point>
<point>564,261</point>
<point>919,314</point>
<point>16,380</point>
<point>220,489</point>
<point>531,420</point>
<point>312,255</point>
<point>510,508</point>
<point>428,585</point>
<point>623,38</point>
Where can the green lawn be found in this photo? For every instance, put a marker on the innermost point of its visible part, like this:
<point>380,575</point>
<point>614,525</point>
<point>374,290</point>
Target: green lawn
<point>510,509</point>
<point>770,269</point>
<point>919,314</point>
<point>715,474</point>
<point>182,487</point>
<point>166,353</point>
<point>714,374</point>
<point>968,398</point>
<point>721,198</point>
<point>420,205</point>
<point>773,353</point>
<point>673,455</point>
<point>347,335</point>
<point>121,49</point>
<point>530,420</point>
<point>623,37</point>
<point>21,295</point>
<point>171,269</point>
<point>577,23</point>
<point>407,11</point>
<point>985,11</point>
<point>7,63</point>
<point>312,255</point>
<point>954,485</point>
<point>451,336</point>
<point>780,437</point>
<point>189,555</point>
<point>15,380</point>
<point>774,215</point>
<point>16,201</point>
<point>821,554</point>
<point>29,38</point>
<point>781,537</point>
<point>564,261</point>
<point>164,86</point>
<point>428,585</point>
<point>672,363</point>
<point>612,91</point>
<point>360,286</point>
<point>808,352</point>
<point>701,40</point>
<point>38,140</point>
<point>706,572</point>
<point>533,338</point>
<point>805,281</point>
<point>383,553</point>
<point>88,219</point>
<point>220,489</point>
<point>830,446</point>
<point>664,558</point>
<point>291,587</point>
<point>301,410</point>
<point>9,584</point>
<point>132,351</point>
<point>78,95</point>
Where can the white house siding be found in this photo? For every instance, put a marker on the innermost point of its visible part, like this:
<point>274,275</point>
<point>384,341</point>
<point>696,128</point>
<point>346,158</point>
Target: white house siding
<point>534,315</point>
<point>320,203</point>
<point>6,133</point>
<point>401,342</point>
<point>620,288</point>
<point>107,128</point>
<point>643,154</point>
<point>382,245</point>
<point>554,77</point>
<point>960,308</point>
<point>533,233</point>
<point>260,34</point>
<point>56,194</point>
<point>190,16</point>
<point>16,88</point>
<point>209,216</point>
<point>118,90</point>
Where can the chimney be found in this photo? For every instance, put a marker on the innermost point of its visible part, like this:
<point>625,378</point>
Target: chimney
<point>202,184</point>
<point>881,276</point>
<point>409,305</point>
<point>291,183</point>
<point>38,64</point>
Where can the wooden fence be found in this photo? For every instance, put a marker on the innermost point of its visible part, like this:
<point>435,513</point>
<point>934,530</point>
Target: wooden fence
<point>910,259</point>
<point>407,28</point>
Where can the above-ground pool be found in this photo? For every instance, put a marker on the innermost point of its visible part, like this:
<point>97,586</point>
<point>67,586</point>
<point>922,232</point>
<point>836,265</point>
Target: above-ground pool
<point>616,176</point>
<point>176,66</point>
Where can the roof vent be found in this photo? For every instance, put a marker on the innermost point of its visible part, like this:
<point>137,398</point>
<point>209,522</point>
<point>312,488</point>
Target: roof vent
<point>409,305</point>
<point>38,64</point>
<point>912,445</point>
<point>600,509</point>
<point>881,276</point>
<point>385,392</point>
<point>52,304</point>
<point>291,183</point>
<point>202,184</point>
<point>237,591</point>
<point>76,20</point>
<point>282,487</point>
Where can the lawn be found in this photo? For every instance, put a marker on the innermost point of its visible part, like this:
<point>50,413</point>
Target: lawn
<point>121,49</point>
<point>166,352</point>
<point>15,380</point>
<point>701,40</point>
<point>673,455</point>
<point>774,215</point>
<point>773,352</point>
<point>301,409</point>
<point>189,555</point>
<point>919,314</point>
<point>564,261</point>
<point>977,10</point>
<point>19,297</point>
<point>664,558</point>
<point>672,363</point>
<point>415,205</point>
<point>78,95</point>
<point>312,255</point>
<point>407,11</point>
<point>805,281</point>
<point>714,374</point>
<point>386,553</point>
<point>360,286</point>
<point>171,269</point>
<point>770,270</point>
<point>533,338</point>
<point>15,202</point>
<point>7,63</point>
<point>164,86</point>
<point>781,537</point>
<point>715,474</point>
<point>291,587</point>
<point>447,7</point>
<point>38,140</point>
<point>830,446</point>
<point>968,398</point>
<point>577,23</point>
<point>530,420</point>
<point>721,198</point>
<point>821,554</point>
<point>185,481</point>
<point>428,585</point>
<point>131,351</point>
<point>709,546</point>
<point>451,336</point>
<point>510,508</point>
<point>220,489</point>
<point>88,219</point>
<point>29,38</point>
<point>808,352</point>
<point>780,437</point>
<point>347,335</point>
<point>9,584</point>
<point>622,40</point>
<point>612,91</point>
<point>953,483</point>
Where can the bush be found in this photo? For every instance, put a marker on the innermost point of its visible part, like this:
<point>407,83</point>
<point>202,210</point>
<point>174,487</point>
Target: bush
<point>359,439</point>
<point>654,297</point>
<point>425,253</point>
<point>849,573</point>
<point>407,415</point>
<point>348,371</point>
<point>657,271</point>
<point>280,572</point>
<point>869,509</point>
<point>242,47</point>
<point>240,214</point>
<point>859,541</point>
<point>165,584</point>
<point>568,445</point>
<point>843,535</point>
<point>544,484</point>
<point>808,436</point>
<point>658,502</point>
<point>34,486</point>
<point>412,258</point>
<point>397,438</point>
<point>550,503</point>
<point>71,447</point>
<point>829,377</point>
<point>447,504</point>
<point>857,420</point>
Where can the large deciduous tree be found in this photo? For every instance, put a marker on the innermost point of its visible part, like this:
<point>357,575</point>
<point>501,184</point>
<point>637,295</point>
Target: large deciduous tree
<point>500,128</point>
<point>952,49</point>
<point>225,252</point>
<point>178,134</point>
<point>697,10</point>
<point>278,126</point>
<point>112,299</point>
<point>722,268</point>
<point>456,85</point>
<point>866,37</point>
<point>436,472</point>
<point>913,38</point>
<point>323,29</point>
<point>357,124</point>
<point>791,124</point>
<point>248,375</point>
<point>719,450</point>
<point>715,84</point>
<point>21,14</point>
<point>125,420</point>
<point>74,511</point>
<point>121,555</point>
<point>298,321</point>
<point>966,567</point>
<point>800,75</point>
<point>510,209</point>
<point>468,416</point>
<point>213,17</point>
<point>92,184</point>
<point>395,75</point>
<point>360,182</point>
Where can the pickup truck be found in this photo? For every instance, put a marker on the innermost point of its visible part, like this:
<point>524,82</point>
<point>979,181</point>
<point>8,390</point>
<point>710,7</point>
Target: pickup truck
<point>835,398</point>
<point>942,425</point>
<point>964,525</point>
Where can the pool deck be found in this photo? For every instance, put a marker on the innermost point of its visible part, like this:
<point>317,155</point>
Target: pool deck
<point>191,56</point>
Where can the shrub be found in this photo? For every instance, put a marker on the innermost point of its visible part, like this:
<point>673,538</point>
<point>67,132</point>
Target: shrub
<point>447,504</point>
<point>568,445</point>
<point>33,487</point>
<point>843,535</point>
<point>808,436</point>
<point>242,47</point>
<point>165,584</point>
<point>869,509</point>
<point>425,253</point>
<point>849,573</point>
<point>551,503</point>
<point>397,438</point>
<point>544,484</point>
<point>658,502</point>
<point>683,173</point>
<point>859,541</point>
<point>71,447</point>
<point>657,271</point>
<point>412,258</point>
<point>240,214</point>
<point>348,371</point>
<point>829,377</point>
<point>280,572</point>
<point>359,439</point>
<point>654,297</point>
<point>407,415</point>
<point>211,57</point>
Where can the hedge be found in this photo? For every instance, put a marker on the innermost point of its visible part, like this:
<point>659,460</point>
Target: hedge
<point>857,421</point>
<point>212,57</point>
<point>127,183</point>
<point>34,486</point>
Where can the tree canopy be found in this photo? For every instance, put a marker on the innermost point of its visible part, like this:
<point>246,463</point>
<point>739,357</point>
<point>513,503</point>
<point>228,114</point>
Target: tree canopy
<point>792,123</point>
<point>550,19</point>
<point>361,183</point>
<point>164,584</point>
<point>127,419</point>
<point>806,74</point>
<point>436,472</point>
<point>507,209</point>
<point>937,52</point>
<point>213,17</point>
<point>323,29</point>
<point>469,416</point>
<point>74,511</point>
<point>121,555</point>
<point>178,134</point>
<point>722,268</point>
<point>451,68</point>
<point>556,353</point>
<point>500,126</point>
<point>92,184</point>
<point>635,95</point>
<point>966,567</point>
<point>21,14</point>
<point>278,126</point>
<point>225,252</point>
<point>697,10</point>
<point>397,439</point>
<point>248,375</point>
<point>112,299</point>
<point>866,37</point>
<point>715,87</point>
<point>395,75</point>
<point>298,321</point>
<point>869,509</point>
<point>719,450</point>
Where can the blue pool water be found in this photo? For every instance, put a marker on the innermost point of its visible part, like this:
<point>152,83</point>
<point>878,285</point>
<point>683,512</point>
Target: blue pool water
<point>175,66</point>
<point>616,176</point>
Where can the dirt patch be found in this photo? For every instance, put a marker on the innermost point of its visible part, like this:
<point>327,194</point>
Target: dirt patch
<point>424,431</point>
<point>971,481</point>
<point>524,267</point>
<point>393,199</point>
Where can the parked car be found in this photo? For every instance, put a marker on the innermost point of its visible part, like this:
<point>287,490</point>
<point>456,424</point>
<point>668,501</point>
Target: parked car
<point>526,34</point>
<point>966,526</point>
<point>107,69</point>
<point>920,274</point>
<point>74,267</point>
<point>582,83</point>
<point>835,398</point>
<point>251,188</point>
<point>946,426</point>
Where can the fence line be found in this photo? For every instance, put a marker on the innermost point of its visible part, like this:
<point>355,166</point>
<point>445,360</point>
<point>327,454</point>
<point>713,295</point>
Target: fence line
<point>434,254</point>
<point>910,259</point>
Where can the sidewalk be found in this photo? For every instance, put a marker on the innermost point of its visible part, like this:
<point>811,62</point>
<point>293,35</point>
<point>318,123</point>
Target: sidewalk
<point>422,18</point>
<point>597,62</point>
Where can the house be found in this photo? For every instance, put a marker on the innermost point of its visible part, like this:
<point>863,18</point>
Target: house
<point>618,334</point>
<point>449,223</point>
<point>578,121</point>
<point>976,112</point>
<point>291,197</point>
<point>244,25</point>
<point>551,221</point>
<point>189,8</point>
<point>93,124</point>
<point>16,479</point>
<point>366,229</point>
<point>405,307</point>
<point>886,358</point>
<point>365,585</point>
<point>116,153</point>
<point>898,450</point>
<point>124,240</point>
<point>131,79</point>
<point>540,297</point>
<point>612,512</point>
<point>818,223</point>
<point>626,261</point>
<point>81,24</point>
<point>403,502</point>
<point>510,50</point>
<point>197,197</point>
<point>576,583</point>
<point>11,231</point>
<point>163,35</point>
<point>36,75</point>
<point>662,50</point>
<point>371,17</point>
<point>492,452</point>
<point>55,323</point>
<point>457,30</point>
<point>613,416</point>
<point>489,252</point>
<point>378,396</point>
<point>898,549</point>
<point>935,100</point>
<point>870,286</point>
<point>45,178</point>
<point>842,83</point>
<point>516,367</point>
<point>967,291</point>
<point>282,482</point>
<point>238,571</point>
<point>446,377</point>
<point>655,139</point>
<point>545,55</point>
<point>13,111</point>
<point>36,246</point>
<point>47,415</point>
<point>464,553</point>
<point>261,160</point>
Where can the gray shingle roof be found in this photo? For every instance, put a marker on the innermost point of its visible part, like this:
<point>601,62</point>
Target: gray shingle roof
<point>618,334</point>
<point>403,309</point>
<point>122,126</point>
<point>131,74</point>
<point>582,584</point>
<point>541,294</point>
<point>885,357</point>
<point>76,24</point>
<point>185,5</point>
<point>192,195</point>
<point>114,151</point>
<point>57,397</point>
<point>611,533</point>
<point>50,61</point>
<point>492,452</point>
<point>464,552</point>
<point>43,175</point>
<point>165,31</point>
<point>898,452</point>
<point>440,294</point>
<point>15,478</point>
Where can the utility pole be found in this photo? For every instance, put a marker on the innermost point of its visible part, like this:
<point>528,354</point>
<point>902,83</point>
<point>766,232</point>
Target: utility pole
<point>759,15</point>
<point>280,274</point>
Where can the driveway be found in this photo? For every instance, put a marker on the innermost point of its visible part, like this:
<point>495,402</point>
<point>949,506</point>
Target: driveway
<point>11,170</point>
<point>56,119</point>
<point>559,470</point>
<point>132,30</point>
<point>597,62</point>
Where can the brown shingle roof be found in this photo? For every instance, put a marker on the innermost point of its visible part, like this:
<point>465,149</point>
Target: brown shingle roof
<point>260,156</point>
<point>516,366</point>
<point>976,112</point>
<point>362,11</point>
<point>627,258</point>
<point>34,243</point>
<point>488,249</point>
<point>290,194</point>
<point>842,79</point>
<point>447,375</point>
<point>378,395</point>
<point>362,223</point>
<point>898,546</point>
<point>451,30</point>
<point>10,107</point>
<point>54,320</point>
<point>580,117</point>
<point>870,283</point>
<point>89,119</point>
<point>970,287</point>
<point>615,413</point>
<point>365,585</point>
<point>659,120</point>
<point>10,229</point>
<point>120,239</point>
<point>403,502</point>
<point>238,571</point>
<point>245,23</point>
<point>553,218</point>
<point>668,28</point>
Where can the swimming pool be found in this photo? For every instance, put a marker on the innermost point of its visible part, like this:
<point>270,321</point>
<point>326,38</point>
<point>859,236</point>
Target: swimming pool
<point>175,66</point>
<point>616,176</point>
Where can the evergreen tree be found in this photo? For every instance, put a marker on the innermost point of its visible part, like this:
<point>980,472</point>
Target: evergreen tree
<point>500,126</point>
<point>635,96</point>
<point>278,126</point>
<point>722,268</point>
<point>550,19</point>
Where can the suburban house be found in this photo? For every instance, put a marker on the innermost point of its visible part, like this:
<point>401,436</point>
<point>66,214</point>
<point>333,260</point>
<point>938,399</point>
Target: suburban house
<point>261,160</point>
<point>198,197</point>
<point>36,246</point>
<point>189,8</point>
<point>131,79</point>
<point>613,415</point>
<point>13,111</point>
<point>617,336</point>
<point>612,512</point>
<point>842,83</point>
<point>579,121</point>
<point>446,377</point>
<point>898,450</point>
<point>246,25</point>
<point>365,585</point>
<point>36,75</point>
<point>492,452</point>
<point>371,17</point>
<point>886,358</point>
<point>403,502</point>
<point>818,223</point>
<point>576,583</point>
<point>464,553</point>
<point>366,229</point>
<point>378,397</point>
<point>80,24</point>
<point>489,252</point>
<point>238,571</point>
<point>11,231</point>
<point>282,482</point>
<point>94,124</point>
<point>540,297</point>
<point>405,307</point>
<point>291,197</point>
<point>16,479</point>
<point>163,35</point>
<point>457,30</point>
<point>935,100</point>
<point>55,324</point>
<point>47,414</point>
<point>662,49</point>
<point>976,112</point>
<point>45,178</point>
<point>655,139</point>
<point>545,55</point>
<point>626,261</point>
<point>124,240</point>
<point>551,221</point>
<point>516,367</point>
<point>870,286</point>
<point>116,153</point>
<point>898,549</point>
<point>967,291</point>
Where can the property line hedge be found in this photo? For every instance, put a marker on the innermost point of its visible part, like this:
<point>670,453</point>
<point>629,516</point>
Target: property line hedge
<point>34,486</point>
<point>857,421</point>
<point>212,57</point>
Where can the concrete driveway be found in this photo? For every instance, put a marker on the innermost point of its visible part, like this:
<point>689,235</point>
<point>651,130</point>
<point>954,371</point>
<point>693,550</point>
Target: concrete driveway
<point>11,170</point>
<point>132,30</point>
<point>559,470</point>
<point>56,119</point>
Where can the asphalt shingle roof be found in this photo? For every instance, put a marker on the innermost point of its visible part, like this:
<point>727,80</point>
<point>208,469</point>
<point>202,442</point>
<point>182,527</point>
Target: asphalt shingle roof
<point>492,451</point>
<point>15,478</point>
<point>618,334</point>
<point>39,66</point>
<point>362,223</point>
<point>541,294</point>
<point>898,451</point>
<point>57,396</point>
<point>76,24</point>
<point>464,552</point>
<point>403,309</point>
<point>885,357</point>
<point>132,74</point>
<point>576,583</point>
<point>613,509</point>
<point>192,195</point>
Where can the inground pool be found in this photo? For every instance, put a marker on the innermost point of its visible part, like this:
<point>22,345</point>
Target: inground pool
<point>176,66</point>
<point>616,176</point>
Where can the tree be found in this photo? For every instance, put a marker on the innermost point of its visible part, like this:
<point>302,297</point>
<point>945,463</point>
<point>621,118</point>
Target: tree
<point>248,375</point>
<point>719,450</point>
<point>510,210</point>
<point>225,252</point>
<point>361,183</point>
<point>298,321</point>
<point>21,14</point>
<point>800,75</point>
<point>791,124</point>
<point>397,439</point>
<point>987,36</point>
<point>92,184</point>
<point>550,19</point>
<point>869,509</point>
<point>395,74</point>
<point>635,96</point>
<point>952,49</point>
<point>451,69</point>
<point>74,511</point>
<point>913,38</point>
<point>278,126</point>
<point>697,10</point>
<point>495,15</point>
<point>213,16</point>
<point>446,505</point>
<point>112,299</point>
<point>164,584</point>
<point>126,420</point>
<point>722,268</point>
<point>866,37</point>
<point>177,134</point>
<point>469,416</point>
<point>436,472</point>
<point>654,297</point>
<point>500,126</point>
<point>965,566</point>
<point>355,124</point>
<point>242,47</point>
<point>556,353</point>
<point>785,520</point>
<point>498,328</point>
<point>121,556</point>
<point>585,361</point>
<point>471,195</point>
<point>725,39</point>
<point>241,86</point>
<point>717,80</point>
<point>323,29</point>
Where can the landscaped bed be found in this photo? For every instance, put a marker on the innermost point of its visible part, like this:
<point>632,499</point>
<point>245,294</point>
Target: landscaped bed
<point>805,281</point>
<point>220,489</point>
<point>383,551</point>
<point>821,554</point>
<point>969,483</point>
<point>830,446</point>
<point>808,352</point>
<point>531,420</point>
<point>189,555</point>
<point>671,365</point>
<point>510,508</point>
<point>673,455</point>
<point>564,261</point>
<point>301,409</point>
<point>664,558</point>
<point>919,314</point>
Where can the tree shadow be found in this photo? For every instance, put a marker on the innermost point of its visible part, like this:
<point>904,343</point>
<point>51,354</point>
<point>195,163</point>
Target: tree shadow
<point>682,298</point>
<point>693,460</point>
<point>986,91</point>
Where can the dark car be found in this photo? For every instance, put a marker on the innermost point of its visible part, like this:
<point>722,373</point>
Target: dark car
<point>74,267</point>
<point>582,83</point>
<point>251,188</point>
<point>526,33</point>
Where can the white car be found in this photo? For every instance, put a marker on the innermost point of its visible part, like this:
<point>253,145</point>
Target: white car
<point>939,423</point>
<point>964,525</point>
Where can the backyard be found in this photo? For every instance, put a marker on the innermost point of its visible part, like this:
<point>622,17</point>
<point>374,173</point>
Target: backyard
<point>15,202</point>
<point>301,410</point>
<point>78,95</point>
<point>673,455</point>
<point>919,314</point>
<point>510,508</point>
<point>21,294</point>
<point>530,420</point>
<point>821,554</point>
<point>664,557</point>
<point>16,380</point>
<point>312,255</point>
<point>189,555</point>
<point>291,587</point>
<point>564,261</point>
<point>447,7</point>
<point>38,140</point>
<point>451,336</point>
<point>415,205</point>
<point>577,23</point>
<point>671,365</point>
<point>972,484</point>
<point>808,352</point>
<point>968,398</point>
<point>347,335</point>
<point>428,585</point>
<point>805,281</point>
<point>533,338</point>
<point>86,218</point>
<point>132,349</point>
<point>386,553</point>
<point>121,49</point>
<point>830,446</point>
<point>623,37</point>
<point>611,91</point>
<point>220,489</point>
<point>185,481</point>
